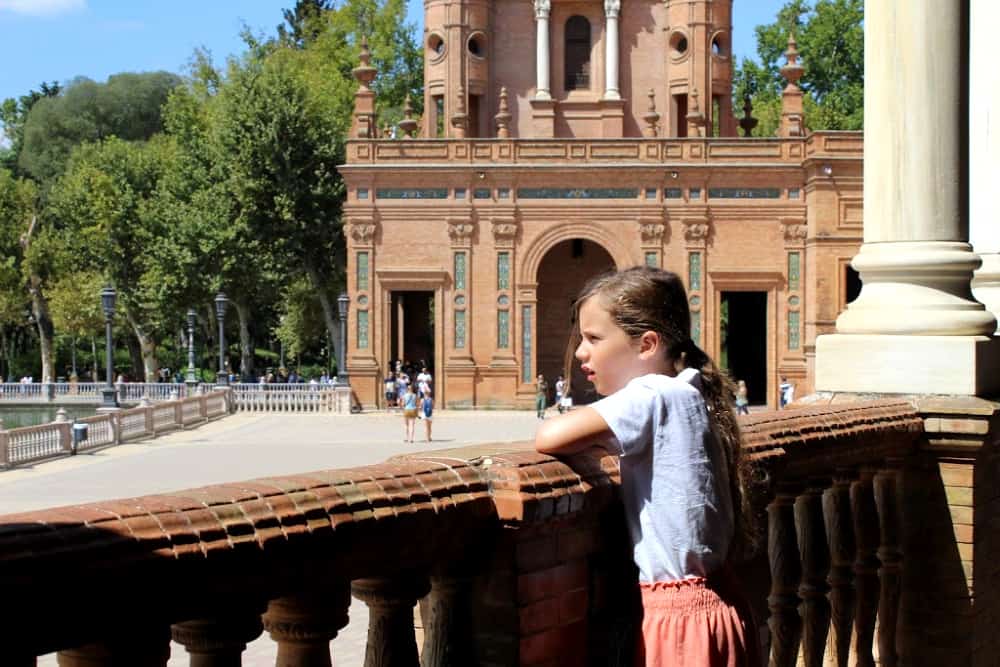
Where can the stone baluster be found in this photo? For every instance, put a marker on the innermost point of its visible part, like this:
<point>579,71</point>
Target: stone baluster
<point>866,533</point>
<point>135,647</point>
<point>447,626</point>
<point>840,535</point>
<point>814,554</point>
<point>889,553</point>
<point>391,639</point>
<point>782,551</point>
<point>217,642</point>
<point>304,625</point>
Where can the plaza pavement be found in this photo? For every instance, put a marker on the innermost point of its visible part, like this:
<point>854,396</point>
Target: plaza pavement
<point>245,446</point>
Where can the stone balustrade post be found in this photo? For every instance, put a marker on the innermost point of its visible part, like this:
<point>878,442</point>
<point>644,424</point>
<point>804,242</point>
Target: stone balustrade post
<point>448,634</point>
<point>840,536</point>
<point>178,412</point>
<point>391,639</point>
<point>783,601</point>
<point>915,327</point>
<point>304,625</point>
<point>136,647</point>
<point>866,564</point>
<point>217,642</point>
<point>814,555</point>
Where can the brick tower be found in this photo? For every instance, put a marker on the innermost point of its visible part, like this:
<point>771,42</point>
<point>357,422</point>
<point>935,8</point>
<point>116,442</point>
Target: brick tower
<point>699,68</point>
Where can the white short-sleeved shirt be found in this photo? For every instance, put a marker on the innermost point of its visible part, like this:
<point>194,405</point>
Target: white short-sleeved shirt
<point>675,485</point>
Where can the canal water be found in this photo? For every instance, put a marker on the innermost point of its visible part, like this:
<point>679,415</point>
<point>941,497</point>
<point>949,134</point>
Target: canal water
<point>17,416</point>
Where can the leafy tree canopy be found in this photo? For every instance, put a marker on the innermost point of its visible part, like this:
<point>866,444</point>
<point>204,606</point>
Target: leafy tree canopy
<point>830,37</point>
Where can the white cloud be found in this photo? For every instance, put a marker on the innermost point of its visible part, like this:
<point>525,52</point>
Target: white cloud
<point>42,7</point>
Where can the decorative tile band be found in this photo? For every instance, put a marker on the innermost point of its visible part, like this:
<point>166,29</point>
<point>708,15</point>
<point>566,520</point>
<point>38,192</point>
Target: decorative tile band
<point>793,330</point>
<point>673,193</point>
<point>744,193</point>
<point>652,259</point>
<point>694,271</point>
<point>459,329</point>
<point>411,193</point>
<point>362,329</point>
<point>577,193</point>
<point>503,329</point>
<point>696,326</point>
<point>481,193</point>
<point>503,270</point>
<point>526,344</point>
<point>794,271</point>
<point>459,270</point>
<point>362,278</point>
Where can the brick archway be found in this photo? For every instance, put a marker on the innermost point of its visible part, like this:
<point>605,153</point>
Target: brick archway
<point>562,273</point>
<point>534,255</point>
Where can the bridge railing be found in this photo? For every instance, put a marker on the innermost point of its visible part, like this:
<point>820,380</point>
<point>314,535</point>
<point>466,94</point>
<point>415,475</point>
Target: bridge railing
<point>518,558</point>
<point>34,443</point>
<point>273,397</point>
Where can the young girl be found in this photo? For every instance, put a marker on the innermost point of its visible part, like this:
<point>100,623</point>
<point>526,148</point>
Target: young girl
<point>668,415</point>
<point>427,411</point>
<point>409,402</point>
<point>742,402</point>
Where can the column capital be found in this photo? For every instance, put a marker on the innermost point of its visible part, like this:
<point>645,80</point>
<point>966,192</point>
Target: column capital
<point>612,8</point>
<point>542,9</point>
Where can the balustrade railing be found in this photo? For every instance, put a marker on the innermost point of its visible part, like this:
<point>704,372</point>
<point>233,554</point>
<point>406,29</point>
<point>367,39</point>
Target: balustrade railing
<point>33,443</point>
<point>19,391</point>
<point>127,392</point>
<point>291,398</point>
<point>517,558</point>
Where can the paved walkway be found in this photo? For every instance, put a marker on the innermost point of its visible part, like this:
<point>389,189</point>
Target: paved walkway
<point>243,447</point>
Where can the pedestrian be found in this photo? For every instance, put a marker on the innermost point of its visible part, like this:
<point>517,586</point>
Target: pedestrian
<point>742,403</point>
<point>389,386</point>
<point>409,401</point>
<point>541,396</point>
<point>668,414</point>
<point>423,381</point>
<point>427,412</point>
<point>560,388</point>
<point>786,392</point>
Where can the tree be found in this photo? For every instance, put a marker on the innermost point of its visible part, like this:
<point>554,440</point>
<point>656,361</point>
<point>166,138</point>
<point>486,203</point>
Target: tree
<point>830,39</point>
<point>127,106</point>
<point>303,23</point>
<point>13,113</point>
<point>17,201</point>
<point>76,309</point>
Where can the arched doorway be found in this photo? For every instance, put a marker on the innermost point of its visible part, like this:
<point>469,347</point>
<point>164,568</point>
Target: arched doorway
<point>563,272</point>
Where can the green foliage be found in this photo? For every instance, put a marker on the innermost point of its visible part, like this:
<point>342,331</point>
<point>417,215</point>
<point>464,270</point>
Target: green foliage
<point>127,106</point>
<point>830,39</point>
<point>13,113</point>
<point>303,23</point>
<point>300,325</point>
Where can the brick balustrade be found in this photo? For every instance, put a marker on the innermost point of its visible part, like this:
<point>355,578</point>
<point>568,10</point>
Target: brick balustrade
<point>516,558</point>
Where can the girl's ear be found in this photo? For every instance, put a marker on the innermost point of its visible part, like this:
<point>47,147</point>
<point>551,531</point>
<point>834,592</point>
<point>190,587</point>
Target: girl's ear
<point>649,344</point>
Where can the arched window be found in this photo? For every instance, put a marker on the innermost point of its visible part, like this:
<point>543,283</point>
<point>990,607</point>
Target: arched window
<point>577,53</point>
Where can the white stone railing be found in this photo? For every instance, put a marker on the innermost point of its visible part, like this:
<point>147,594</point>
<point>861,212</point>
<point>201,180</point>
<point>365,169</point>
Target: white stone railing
<point>16,391</point>
<point>291,398</point>
<point>33,443</point>
<point>127,392</point>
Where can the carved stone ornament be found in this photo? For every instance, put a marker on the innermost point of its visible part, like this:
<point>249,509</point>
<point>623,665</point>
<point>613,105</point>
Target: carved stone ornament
<point>795,230</point>
<point>696,229</point>
<point>363,232</point>
<point>504,228</point>
<point>612,7</point>
<point>460,229</point>
<point>652,231</point>
<point>542,8</point>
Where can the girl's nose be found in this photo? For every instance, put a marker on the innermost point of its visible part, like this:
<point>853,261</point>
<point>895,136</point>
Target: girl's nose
<point>579,353</point>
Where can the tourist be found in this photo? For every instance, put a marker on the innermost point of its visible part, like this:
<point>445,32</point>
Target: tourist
<point>423,381</point>
<point>541,396</point>
<point>742,403</point>
<point>668,414</point>
<point>409,401</point>
<point>389,386</point>
<point>427,412</point>
<point>560,392</point>
<point>786,392</point>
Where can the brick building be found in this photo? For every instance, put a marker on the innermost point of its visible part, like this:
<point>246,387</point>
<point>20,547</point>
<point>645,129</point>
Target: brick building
<point>562,139</point>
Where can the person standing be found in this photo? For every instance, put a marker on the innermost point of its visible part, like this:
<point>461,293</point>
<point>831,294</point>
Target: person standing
<point>786,392</point>
<point>389,386</point>
<point>409,401</point>
<point>541,396</point>
<point>560,390</point>
<point>742,402</point>
<point>427,412</point>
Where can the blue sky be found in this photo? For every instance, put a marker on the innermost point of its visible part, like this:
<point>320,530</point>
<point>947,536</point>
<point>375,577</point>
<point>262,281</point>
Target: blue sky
<point>58,40</point>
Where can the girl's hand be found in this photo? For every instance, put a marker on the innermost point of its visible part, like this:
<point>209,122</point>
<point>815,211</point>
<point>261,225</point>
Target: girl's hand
<point>573,432</point>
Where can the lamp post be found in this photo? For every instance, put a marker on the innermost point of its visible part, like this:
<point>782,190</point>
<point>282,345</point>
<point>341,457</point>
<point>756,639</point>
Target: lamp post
<point>190,378</point>
<point>220,314</point>
<point>109,399</point>
<point>342,302</point>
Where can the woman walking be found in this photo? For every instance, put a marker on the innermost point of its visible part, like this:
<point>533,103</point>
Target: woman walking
<point>409,401</point>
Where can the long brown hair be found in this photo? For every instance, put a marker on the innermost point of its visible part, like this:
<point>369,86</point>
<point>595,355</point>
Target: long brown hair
<point>644,299</point>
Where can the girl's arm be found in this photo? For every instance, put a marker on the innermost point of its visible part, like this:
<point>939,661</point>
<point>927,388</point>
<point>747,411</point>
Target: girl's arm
<point>573,432</point>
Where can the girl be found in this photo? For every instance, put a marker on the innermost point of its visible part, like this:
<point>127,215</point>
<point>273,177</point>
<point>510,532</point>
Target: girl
<point>668,415</point>
<point>427,410</point>
<point>742,402</point>
<point>409,412</point>
<point>541,396</point>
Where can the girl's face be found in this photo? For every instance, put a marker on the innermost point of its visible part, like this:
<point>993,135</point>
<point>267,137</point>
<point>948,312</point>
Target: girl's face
<point>608,357</point>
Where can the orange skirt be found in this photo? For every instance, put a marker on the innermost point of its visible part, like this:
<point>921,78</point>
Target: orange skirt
<point>697,623</point>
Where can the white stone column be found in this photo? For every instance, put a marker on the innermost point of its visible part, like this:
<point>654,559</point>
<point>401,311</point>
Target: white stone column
<point>984,151</point>
<point>542,63</point>
<point>611,10</point>
<point>915,327</point>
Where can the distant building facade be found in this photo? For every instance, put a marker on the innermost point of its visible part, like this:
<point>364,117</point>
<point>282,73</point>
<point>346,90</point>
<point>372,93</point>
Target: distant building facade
<point>563,139</point>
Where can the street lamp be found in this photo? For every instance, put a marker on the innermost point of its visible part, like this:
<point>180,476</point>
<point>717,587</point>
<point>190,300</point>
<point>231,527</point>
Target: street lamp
<point>190,378</point>
<point>220,314</point>
<point>342,302</point>
<point>108,296</point>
